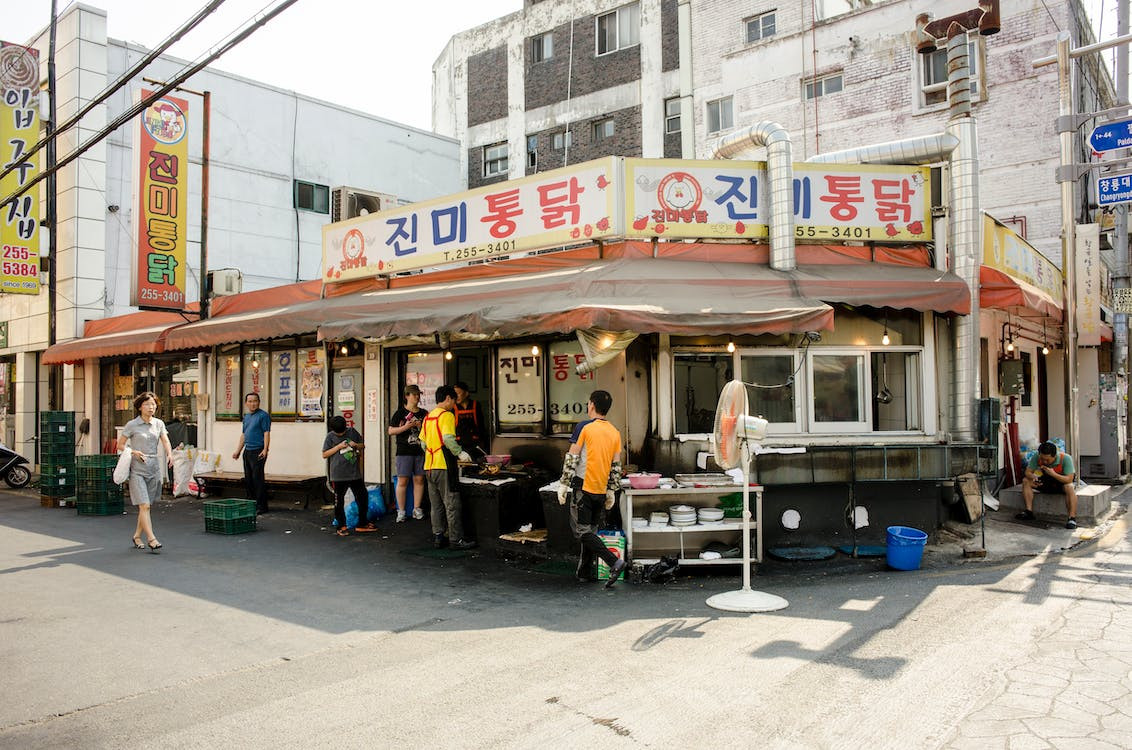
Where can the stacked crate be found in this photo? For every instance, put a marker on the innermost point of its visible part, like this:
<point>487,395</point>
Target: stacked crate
<point>98,495</point>
<point>56,458</point>
<point>229,516</point>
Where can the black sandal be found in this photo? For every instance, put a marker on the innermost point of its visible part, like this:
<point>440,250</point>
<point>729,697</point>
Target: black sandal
<point>137,543</point>
<point>154,546</point>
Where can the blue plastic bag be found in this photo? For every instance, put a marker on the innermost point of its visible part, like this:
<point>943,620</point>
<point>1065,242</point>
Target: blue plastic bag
<point>375,511</point>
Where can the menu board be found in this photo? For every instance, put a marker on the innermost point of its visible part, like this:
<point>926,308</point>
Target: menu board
<point>313,364</point>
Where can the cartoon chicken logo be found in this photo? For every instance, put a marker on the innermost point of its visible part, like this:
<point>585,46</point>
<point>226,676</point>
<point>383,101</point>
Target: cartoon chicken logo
<point>165,121</point>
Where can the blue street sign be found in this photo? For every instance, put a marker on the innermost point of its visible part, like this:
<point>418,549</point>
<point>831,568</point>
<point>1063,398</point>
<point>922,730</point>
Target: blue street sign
<point>1113,189</point>
<point>1111,135</point>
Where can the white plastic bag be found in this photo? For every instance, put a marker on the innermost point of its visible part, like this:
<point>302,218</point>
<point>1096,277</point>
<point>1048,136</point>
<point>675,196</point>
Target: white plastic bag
<point>122,470</point>
<point>182,472</point>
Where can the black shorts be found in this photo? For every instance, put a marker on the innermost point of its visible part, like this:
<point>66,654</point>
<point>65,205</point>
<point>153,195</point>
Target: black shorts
<point>1048,485</point>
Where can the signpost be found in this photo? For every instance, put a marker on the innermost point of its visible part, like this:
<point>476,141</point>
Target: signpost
<point>1113,189</point>
<point>1111,135</point>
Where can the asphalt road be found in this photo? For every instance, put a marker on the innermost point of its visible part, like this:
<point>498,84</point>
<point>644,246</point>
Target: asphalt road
<point>293,638</point>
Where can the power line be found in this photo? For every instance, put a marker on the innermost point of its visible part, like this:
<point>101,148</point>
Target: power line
<point>141,106</point>
<point>125,79</point>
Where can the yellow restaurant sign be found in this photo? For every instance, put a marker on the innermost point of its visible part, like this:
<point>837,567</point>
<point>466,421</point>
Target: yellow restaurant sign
<point>615,197</point>
<point>1004,250</point>
<point>19,131</point>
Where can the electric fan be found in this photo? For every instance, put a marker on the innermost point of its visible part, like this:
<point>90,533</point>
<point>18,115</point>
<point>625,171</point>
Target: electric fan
<point>734,432</point>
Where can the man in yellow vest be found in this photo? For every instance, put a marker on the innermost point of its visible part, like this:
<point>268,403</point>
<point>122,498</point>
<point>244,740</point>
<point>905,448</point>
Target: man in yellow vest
<point>438,435</point>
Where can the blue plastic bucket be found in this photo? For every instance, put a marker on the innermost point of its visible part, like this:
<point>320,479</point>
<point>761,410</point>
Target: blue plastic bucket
<point>905,547</point>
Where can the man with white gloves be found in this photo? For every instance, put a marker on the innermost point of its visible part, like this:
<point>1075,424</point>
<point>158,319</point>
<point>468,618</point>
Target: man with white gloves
<point>595,490</point>
<point>442,451</point>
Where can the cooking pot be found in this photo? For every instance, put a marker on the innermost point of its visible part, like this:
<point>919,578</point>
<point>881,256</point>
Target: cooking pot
<point>644,480</point>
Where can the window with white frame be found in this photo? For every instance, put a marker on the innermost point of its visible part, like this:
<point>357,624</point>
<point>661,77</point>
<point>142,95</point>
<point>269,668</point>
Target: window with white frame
<point>719,117</point>
<point>823,86</point>
<point>698,379</point>
<point>559,141</point>
<point>824,9</point>
<point>897,404</point>
<point>933,72</point>
<point>772,388</point>
<point>672,115</point>
<point>618,29</point>
<point>602,129</point>
<point>542,47</point>
<point>495,160</point>
<point>760,27</point>
<point>532,152</point>
<point>837,382</point>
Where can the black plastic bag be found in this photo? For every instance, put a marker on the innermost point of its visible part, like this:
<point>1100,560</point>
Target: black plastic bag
<point>661,571</point>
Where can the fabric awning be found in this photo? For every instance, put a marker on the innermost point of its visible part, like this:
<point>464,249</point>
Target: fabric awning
<point>647,295</point>
<point>1001,291</point>
<point>149,340</point>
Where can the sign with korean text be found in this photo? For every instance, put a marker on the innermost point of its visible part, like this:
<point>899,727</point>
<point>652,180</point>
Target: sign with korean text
<point>284,383</point>
<point>161,157</point>
<point>229,400</point>
<point>519,385</point>
<point>1005,251</point>
<point>19,131</point>
<point>1114,189</point>
<point>1088,285</point>
<point>731,199</point>
<point>1111,135</point>
<point>561,207</point>
<point>312,364</point>
<point>569,391</point>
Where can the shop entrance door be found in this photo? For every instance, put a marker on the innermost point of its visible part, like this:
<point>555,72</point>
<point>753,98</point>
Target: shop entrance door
<point>346,397</point>
<point>473,366</point>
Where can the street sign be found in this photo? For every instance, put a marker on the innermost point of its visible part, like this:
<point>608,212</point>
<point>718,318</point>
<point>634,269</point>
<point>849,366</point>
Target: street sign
<point>1113,189</point>
<point>1111,135</point>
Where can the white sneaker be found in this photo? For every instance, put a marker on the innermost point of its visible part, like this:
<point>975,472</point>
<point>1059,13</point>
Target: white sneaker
<point>418,513</point>
<point>400,516</point>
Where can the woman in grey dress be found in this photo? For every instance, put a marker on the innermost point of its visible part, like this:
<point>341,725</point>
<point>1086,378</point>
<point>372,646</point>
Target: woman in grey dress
<point>146,433</point>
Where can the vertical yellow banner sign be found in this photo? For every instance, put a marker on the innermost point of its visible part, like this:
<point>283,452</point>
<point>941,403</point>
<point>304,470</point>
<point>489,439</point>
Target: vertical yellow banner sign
<point>161,158</point>
<point>19,131</point>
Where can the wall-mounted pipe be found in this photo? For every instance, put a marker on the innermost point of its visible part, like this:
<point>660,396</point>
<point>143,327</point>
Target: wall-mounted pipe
<point>780,172</point>
<point>924,149</point>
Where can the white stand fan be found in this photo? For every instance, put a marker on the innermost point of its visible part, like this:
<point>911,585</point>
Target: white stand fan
<point>734,431</point>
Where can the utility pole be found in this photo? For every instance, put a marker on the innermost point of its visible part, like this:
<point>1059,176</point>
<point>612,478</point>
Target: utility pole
<point>55,396</point>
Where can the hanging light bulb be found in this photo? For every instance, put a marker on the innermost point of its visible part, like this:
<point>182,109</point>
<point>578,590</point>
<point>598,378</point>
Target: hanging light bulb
<point>731,346</point>
<point>345,349</point>
<point>1010,345</point>
<point>534,349</point>
<point>885,338</point>
<point>1045,348</point>
<point>448,354</point>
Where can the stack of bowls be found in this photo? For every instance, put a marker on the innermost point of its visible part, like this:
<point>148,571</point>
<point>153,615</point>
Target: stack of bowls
<point>682,515</point>
<point>710,515</point>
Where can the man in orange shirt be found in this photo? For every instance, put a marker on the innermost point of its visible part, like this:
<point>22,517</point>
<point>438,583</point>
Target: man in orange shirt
<point>438,436</point>
<point>600,443</point>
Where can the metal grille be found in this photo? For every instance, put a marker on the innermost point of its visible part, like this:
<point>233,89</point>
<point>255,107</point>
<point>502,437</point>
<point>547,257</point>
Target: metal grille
<point>1122,300</point>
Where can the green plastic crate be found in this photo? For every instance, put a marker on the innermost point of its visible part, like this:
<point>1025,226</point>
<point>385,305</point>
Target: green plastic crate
<point>97,461</point>
<point>57,418</point>
<point>241,525</point>
<point>95,476</point>
<point>97,508</point>
<point>228,508</point>
<point>100,494</point>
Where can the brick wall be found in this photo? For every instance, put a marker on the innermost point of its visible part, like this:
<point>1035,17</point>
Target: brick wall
<point>669,36</point>
<point>626,140</point>
<point>475,168</point>
<point>546,81</point>
<point>487,77</point>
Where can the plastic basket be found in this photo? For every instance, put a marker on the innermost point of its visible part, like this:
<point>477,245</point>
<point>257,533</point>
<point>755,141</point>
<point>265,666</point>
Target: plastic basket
<point>53,501</point>
<point>240,525</point>
<point>228,508</point>
<point>732,505</point>
<point>99,508</point>
<point>95,476</point>
<point>113,493</point>
<point>97,461</point>
<point>57,418</point>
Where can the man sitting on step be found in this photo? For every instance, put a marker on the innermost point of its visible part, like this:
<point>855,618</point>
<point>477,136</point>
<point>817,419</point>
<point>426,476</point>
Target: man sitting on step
<point>1051,471</point>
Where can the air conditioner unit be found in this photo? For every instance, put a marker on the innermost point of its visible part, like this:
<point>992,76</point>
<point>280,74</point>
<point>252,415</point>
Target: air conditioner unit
<point>225,281</point>
<point>349,203</point>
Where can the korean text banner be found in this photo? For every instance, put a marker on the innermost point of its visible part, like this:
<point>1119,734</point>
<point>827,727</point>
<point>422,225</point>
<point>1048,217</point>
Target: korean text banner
<point>1005,251</point>
<point>561,207</point>
<point>1088,285</point>
<point>19,131</point>
<point>730,199</point>
<point>161,158</point>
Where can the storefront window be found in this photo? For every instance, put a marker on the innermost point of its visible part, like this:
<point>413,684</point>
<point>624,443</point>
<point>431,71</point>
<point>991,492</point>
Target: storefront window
<point>569,391</point>
<point>699,378</point>
<point>897,385</point>
<point>520,389</point>
<point>426,371</point>
<point>288,374</point>
<point>772,389</point>
<point>837,383</point>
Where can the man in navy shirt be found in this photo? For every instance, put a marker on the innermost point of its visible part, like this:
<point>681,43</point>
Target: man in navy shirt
<point>255,440</point>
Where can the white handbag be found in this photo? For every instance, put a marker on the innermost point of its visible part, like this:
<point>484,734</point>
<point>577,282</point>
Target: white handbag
<point>122,470</point>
